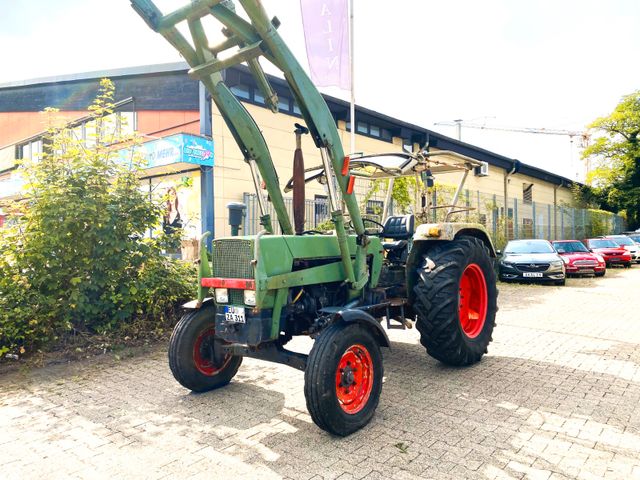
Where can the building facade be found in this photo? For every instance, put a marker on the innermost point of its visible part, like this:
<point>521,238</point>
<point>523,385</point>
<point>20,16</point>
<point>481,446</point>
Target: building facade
<point>164,105</point>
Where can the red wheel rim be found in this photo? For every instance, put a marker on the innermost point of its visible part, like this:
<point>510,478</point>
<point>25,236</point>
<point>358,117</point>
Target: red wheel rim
<point>203,353</point>
<point>354,379</point>
<point>472,303</point>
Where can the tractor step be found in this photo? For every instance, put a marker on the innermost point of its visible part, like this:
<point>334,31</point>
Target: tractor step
<point>395,313</point>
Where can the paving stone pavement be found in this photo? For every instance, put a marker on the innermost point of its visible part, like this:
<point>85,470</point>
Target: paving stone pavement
<point>557,397</point>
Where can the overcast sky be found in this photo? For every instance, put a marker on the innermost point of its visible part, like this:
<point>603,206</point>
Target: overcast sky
<point>555,64</point>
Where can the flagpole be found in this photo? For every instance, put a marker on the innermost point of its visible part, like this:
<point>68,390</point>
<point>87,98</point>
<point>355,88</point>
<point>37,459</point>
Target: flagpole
<point>352,110</point>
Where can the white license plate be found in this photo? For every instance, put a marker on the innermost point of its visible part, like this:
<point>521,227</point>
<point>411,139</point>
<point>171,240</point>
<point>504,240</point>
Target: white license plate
<point>532,274</point>
<point>234,314</point>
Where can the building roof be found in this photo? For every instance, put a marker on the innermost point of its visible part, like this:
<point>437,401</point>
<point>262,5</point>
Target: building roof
<point>167,87</point>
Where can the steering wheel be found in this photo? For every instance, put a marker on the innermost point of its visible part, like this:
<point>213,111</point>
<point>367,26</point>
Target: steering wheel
<point>378,224</point>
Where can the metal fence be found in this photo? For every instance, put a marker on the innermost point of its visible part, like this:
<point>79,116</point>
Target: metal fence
<point>521,219</point>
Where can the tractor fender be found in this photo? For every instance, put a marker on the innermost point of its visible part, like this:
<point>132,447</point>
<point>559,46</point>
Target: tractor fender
<point>353,315</point>
<point>434,232</point>
<point>194,305</point>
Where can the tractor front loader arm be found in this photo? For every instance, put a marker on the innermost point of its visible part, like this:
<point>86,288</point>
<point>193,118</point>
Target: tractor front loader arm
<point>241,124</point>
<point>259,37</point>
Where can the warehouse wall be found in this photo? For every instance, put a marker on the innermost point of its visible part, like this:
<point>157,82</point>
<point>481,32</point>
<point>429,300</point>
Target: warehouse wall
<point>233,179</point>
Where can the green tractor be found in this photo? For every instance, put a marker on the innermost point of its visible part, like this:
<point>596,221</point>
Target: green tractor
<point>256,292</point>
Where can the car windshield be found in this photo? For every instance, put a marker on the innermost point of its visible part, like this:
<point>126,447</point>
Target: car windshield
<point>570,247</point>
<point>622,240</point>
<point>529,246</point>
<point>635,237</point>
<point>602,243</point>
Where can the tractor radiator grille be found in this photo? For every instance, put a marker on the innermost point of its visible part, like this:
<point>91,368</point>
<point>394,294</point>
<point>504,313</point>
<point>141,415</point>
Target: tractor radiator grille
<point>232,258</point>
<point>236,297</point>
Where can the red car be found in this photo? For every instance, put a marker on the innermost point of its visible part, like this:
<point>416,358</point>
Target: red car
<point>613,253</point>
<point>578,260</point>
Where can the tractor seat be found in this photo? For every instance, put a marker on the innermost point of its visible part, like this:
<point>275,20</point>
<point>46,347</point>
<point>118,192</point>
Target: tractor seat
<point>399,228</point>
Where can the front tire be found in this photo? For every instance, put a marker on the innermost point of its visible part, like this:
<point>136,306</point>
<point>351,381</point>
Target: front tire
<point>343,379</point>
<point>455,301</point>
<point>192,357</point>
<point>601,274</point>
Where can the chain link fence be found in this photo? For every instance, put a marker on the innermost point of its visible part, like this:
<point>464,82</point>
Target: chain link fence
<point>519,220</point>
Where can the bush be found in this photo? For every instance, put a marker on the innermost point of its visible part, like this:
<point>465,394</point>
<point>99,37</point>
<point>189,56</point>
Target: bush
<point>77,256</point>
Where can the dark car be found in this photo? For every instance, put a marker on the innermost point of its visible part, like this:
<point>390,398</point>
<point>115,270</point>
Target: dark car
<point>613,253</point>
<point>531,260</point>
<point>578,260</point>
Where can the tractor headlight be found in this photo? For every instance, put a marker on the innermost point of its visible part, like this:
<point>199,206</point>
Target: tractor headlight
<point>222,295</point>
<point>250,297</point>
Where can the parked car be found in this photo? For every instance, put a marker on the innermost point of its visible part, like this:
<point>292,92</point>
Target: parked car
<point>628,244</point>
<point>635,236</point>
<point>613,253</point>
<point>531,260</point>
<point>578,260</point>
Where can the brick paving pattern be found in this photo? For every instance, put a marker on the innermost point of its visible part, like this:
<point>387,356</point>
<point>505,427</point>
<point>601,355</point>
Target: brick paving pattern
<point>557,397</point>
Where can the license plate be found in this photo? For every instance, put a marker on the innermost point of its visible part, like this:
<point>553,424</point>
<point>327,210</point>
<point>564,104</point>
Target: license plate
<point>614,259</point>
<point>234,314</point>
<point>532,274</point>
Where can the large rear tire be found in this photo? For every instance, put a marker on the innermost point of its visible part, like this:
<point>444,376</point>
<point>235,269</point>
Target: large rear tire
<point>455,301</point>
<point>192,357</point>
<point>343,379</point>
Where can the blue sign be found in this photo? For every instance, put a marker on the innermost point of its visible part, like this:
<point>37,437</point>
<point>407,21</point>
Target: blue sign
<point>177,148</point>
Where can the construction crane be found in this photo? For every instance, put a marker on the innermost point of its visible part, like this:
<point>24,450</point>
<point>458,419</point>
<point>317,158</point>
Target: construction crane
<point>583,135</point>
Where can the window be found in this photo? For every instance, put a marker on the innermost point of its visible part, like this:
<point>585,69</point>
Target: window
<point>362,127</point>
<point>296,109</point>
<point>321,209</point>
<point>283,104</point>
<point>527,193</point>
<point>374,130</point>
<point>30,150</point>
<point>386,134</point>
<point>241,91</point>
<point>258,97</point>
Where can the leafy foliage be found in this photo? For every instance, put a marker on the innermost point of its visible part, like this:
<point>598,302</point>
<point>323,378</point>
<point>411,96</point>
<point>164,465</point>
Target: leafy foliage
<point>616,154</point>
<point>76,256</point>
<point>403,194</point>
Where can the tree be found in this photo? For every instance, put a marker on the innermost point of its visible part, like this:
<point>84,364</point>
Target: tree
<point>616,179</point>
<point>77,257</point>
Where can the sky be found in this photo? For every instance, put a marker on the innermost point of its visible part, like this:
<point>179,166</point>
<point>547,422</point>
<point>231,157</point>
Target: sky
<point>507,63</point>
